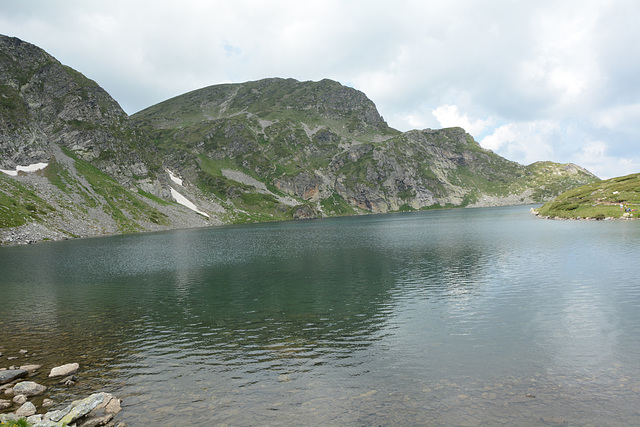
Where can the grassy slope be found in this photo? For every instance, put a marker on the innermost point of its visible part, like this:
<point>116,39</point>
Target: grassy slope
<point>20,204</point>
<point>597,200</point>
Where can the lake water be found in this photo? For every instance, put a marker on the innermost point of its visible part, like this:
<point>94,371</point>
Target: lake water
<point>455,317</point>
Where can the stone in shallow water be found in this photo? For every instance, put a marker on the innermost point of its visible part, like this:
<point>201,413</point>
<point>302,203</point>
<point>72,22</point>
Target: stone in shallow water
<point>69,378</point>
<point>68,369</point>
<point>11,374</point>
<point>26,410</point>
<point>29,388</point>
<point>111,404</point>
<point>30,367</point>
<point>19,399</point>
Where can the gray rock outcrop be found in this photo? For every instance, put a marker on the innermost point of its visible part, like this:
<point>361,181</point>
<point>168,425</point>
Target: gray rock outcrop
<point>9,375</point>
<point>97,405</point>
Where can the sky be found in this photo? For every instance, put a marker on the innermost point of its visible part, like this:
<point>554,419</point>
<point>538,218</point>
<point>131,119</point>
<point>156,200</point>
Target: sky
<point>531,80</point>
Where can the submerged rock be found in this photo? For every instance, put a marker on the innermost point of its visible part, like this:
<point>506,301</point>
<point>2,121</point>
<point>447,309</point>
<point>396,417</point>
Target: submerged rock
<point>30,367</point>
<point>96,421</point>
<point>551,421</point>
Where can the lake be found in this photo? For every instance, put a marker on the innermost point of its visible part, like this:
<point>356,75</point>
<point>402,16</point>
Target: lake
<point>466,317</point>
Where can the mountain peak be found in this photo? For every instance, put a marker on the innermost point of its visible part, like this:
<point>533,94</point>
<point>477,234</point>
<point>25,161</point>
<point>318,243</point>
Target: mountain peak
<point>273,98</point>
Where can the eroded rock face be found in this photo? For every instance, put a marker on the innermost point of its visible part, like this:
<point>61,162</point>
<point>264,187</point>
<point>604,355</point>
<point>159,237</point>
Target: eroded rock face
<point>304,212</point>
<point>48,103</point>
<point>95,159</point>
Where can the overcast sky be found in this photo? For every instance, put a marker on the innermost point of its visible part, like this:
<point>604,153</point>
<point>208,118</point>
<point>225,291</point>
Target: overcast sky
<point>531,80</point>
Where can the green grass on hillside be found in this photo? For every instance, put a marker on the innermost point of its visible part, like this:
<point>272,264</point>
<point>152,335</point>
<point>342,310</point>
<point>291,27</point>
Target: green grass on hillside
<point>125,207</point>
<point>19,204</point>
<point>598,200</point>
<point>336,205</point>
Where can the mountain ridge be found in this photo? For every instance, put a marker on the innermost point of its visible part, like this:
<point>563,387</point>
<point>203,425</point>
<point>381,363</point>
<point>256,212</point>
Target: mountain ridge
<point>314,154</point>
<point>272,149</point>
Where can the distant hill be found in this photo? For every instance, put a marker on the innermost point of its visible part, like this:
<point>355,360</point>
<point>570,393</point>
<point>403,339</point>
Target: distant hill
<point>75,164</point>
<point>598,200</point>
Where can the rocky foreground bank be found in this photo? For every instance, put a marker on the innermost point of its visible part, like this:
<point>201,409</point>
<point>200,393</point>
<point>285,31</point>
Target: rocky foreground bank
<point>22,396</point>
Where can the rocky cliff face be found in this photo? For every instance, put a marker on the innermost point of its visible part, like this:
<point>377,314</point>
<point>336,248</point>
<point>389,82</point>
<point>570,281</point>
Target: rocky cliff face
<point>45,103</point>
<point>97,167</point>
<point>273,149</point>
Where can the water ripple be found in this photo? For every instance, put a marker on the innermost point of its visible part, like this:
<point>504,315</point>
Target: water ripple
<point>447,318</point>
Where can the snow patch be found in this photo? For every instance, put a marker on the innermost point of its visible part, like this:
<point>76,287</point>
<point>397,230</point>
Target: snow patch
<point>29,168</point>
<point>174,177</point>
<point>186,202</point>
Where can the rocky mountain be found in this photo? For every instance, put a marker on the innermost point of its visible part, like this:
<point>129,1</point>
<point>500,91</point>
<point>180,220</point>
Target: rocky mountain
<point>94,176</point>
<point>279,148</point>
<point>76,165</point>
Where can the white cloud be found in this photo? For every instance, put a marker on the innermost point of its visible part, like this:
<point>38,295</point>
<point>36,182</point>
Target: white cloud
<point>562,64</point>
<point>525,142</point>
<point>449,116</point>
<point>527,78</point>
<point>626,117</point>
<point>594,155</point>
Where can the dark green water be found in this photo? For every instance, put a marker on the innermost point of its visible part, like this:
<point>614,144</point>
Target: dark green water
<point>439,318</point>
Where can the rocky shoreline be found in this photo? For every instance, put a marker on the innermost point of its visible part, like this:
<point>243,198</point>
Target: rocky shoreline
<point>23,396</point>
<point>625,217</point>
